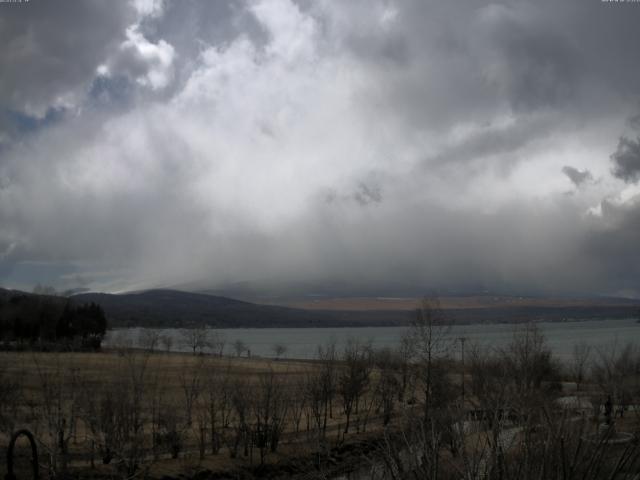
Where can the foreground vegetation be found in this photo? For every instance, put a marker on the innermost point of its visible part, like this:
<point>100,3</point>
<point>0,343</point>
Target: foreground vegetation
<point>412,412</point>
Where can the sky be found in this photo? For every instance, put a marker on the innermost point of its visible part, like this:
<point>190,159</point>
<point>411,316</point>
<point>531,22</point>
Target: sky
<point>361,147</point>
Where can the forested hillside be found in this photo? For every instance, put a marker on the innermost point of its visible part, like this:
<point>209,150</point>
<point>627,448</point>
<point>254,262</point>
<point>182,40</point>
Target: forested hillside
<point>45,321</point>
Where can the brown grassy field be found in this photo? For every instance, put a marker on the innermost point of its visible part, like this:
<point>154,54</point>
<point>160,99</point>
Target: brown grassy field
<point>132,413</point>
<point>79,383</point>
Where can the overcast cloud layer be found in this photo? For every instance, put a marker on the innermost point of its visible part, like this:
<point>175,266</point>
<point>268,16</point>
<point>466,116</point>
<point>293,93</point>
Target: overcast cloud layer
<point>380,147</point>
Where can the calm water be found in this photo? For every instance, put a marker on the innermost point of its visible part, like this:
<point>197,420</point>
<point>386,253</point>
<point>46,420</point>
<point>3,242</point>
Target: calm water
<point>303,342</point>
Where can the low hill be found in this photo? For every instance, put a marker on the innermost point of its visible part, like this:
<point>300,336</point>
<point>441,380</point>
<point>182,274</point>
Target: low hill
<point>174,308</point>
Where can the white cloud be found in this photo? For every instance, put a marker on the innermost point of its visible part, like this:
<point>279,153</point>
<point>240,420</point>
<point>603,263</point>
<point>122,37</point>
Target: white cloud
<point>358,141</point>
<point>149,8</point>
<point>151,64</point>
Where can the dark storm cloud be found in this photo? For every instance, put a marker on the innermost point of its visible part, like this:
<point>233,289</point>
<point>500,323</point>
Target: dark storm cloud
<point>491,141</point>
<point>612,243</point>
<point>233,141</point>
<point>578,177</point>
<point>192,25</point>
<point>50,50</point>
<point>534,65</point>
<point>626,160</point>
<point>367,194</point>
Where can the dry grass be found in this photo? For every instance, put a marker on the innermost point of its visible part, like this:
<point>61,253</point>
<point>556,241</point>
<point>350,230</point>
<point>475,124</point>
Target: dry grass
<point>166,373</point>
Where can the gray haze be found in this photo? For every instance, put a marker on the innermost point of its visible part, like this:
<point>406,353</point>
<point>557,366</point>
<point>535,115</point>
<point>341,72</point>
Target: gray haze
<point>361,146</point>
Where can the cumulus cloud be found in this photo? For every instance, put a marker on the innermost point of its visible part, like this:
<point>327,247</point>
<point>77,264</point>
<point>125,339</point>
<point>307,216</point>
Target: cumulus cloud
<point>327,146</point>
<point>149,64</point>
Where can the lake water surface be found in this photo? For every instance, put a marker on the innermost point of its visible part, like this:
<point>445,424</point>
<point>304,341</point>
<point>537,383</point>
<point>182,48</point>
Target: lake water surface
<point>303,342</point>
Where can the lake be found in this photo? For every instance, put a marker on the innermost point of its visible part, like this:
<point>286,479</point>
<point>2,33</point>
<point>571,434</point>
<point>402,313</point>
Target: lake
<point>303,342</point>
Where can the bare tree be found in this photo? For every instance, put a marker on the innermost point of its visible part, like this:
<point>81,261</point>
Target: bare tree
<point>579,362</point>
<point>615,369</point>
<point>429,337</point>
<point>554,449</point>
<point>508,385</point>
<point>10,396</point>
<point>316,410</point>
<point>196,339</point>
<point>327,380</point>
<point>217,404</point>
<point>149,339</point>
<point>387,384</point>
<point>155,403</point>
<point>240,347</point>
<point>279,350</point>
<point>405,352</point>
<point>353,378</point>
<point>298,403</point>
<point>217,342</point>
<point>269,407</point>
<point>202,430</point>
<point>114,415</point>
<point>529,358</point>
<point>130,415</point>
<point>170,430</point>
<point>191,386</point>
<point>57,409</point>
<point>167,342</point>
<point>122,341</point>
<point>240,399</point>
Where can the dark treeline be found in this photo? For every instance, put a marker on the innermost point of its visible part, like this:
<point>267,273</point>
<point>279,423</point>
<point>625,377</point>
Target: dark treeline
<point>44,321</point>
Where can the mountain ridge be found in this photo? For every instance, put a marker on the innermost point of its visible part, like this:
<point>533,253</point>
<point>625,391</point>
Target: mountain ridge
<point>169,308</point>
<point>175,308</point>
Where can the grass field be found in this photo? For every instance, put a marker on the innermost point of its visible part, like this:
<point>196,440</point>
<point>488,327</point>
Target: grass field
<point>75,398</point>
<point>133,413</point>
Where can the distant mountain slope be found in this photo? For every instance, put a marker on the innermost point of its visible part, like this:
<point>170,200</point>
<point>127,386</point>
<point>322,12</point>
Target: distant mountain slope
<point>450,303</point>
<point>173,308</point>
